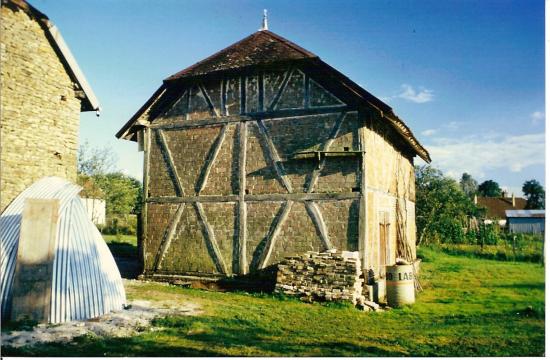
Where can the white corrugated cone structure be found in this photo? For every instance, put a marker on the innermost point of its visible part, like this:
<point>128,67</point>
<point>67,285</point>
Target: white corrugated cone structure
<point>86,282</point>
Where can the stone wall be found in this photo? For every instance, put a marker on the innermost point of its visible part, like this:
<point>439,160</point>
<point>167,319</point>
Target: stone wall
<point>39,110</point>
<point>324,276</point>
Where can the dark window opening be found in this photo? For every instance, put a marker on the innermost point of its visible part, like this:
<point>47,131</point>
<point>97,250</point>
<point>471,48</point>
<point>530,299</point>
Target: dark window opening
<point>346,148</point>
<point>355,189</point>
<point>246,191</point>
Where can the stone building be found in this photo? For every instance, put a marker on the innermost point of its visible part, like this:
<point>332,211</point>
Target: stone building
<point>42,94</point>
<point>263,151</point>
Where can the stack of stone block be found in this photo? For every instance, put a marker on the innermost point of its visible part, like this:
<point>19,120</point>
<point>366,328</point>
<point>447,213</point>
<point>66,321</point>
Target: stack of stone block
<point>321,276</point>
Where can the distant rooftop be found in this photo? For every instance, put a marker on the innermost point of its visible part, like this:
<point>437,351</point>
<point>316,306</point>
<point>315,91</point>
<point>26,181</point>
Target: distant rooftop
<point>496,206</point>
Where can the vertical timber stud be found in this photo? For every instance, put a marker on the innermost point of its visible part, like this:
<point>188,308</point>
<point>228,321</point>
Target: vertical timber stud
<point>261,91</point>
<point>363,206</point>
<point>243,135</point>
<point>142,245</point>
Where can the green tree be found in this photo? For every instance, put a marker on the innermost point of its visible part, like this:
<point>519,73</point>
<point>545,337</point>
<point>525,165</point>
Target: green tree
<point>95,160</point>
<point>490,188</point>
<point>442,208</point>
<point>96,169</point>
<point>468,185</point>
<point>122,193</point>
<point>535,193</point>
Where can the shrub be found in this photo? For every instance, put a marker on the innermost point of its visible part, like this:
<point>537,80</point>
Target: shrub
<point>120,225</point>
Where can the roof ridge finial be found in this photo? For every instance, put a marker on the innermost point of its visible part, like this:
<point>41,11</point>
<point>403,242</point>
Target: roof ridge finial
<point>264,21</point>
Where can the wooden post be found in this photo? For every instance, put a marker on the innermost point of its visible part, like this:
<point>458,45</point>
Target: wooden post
<point>363,212</point>
<point>142,240</point>
<point>243,134</point>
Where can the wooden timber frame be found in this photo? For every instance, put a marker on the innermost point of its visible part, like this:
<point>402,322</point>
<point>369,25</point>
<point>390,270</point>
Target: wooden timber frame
<point>256,127</point>
<point>155,132</point>
<point>309,198</point>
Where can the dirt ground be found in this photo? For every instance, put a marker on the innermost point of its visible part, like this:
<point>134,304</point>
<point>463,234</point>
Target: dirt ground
<point>123,323</point>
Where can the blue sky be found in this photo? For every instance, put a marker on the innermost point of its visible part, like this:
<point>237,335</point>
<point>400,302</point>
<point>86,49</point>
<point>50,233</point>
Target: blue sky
<point>466,76</point>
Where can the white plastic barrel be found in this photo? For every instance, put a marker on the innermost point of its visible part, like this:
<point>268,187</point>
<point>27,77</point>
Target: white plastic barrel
<point>399,285</point>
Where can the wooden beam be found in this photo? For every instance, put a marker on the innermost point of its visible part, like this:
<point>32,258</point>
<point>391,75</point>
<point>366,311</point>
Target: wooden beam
<point>168,236</point>
<point>243,94</point>
<point>180,122</point>
<point>142,245</point>
<point>273,233</point>
<point>243,138</point>
<point>213,109</point>
<point>224,97</point>
<point>363,205</point>
<point>211,242</point>
<point>255,198</point>
<point>274,157</point>
<point>171,166</point>
<point>281,89</point>
<point>212,155</point>
<point>317,217</point>
<point>326,147</point>
<point>306,91</point>
<point>187,103</point>
<point>261,91</point>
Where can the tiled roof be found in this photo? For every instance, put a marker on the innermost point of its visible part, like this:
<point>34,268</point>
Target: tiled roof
<point>262,47</point>
<point>497,206</point>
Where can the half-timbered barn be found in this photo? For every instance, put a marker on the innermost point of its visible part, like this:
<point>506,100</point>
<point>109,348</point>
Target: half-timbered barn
<point>263,151</point>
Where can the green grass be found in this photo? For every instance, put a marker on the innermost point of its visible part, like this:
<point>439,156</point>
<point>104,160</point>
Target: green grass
<point>526,248</point>
<point>469,307</point>
<point>122,245</point>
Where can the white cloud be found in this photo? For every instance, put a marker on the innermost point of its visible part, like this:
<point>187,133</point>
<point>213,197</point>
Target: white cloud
<point>537,117</point>
<point>479,153</point>
<point>419,96</point>
<point>429,132</point>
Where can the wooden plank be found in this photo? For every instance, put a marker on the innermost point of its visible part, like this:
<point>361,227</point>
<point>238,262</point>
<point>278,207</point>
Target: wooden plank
<point>171,166</point>
<point>273,233</point>
<point>274,157</point>
<point>213,109</point>
<point>363,205</point>
<point>211,242</point>
<point>213,154</point>
<point>168,236</point>
<point>35,253</point>
<point>317,217</point>
<point>256,198</point>
<point>281,89</point>
<point>243,138</point>
<point>326,147</point>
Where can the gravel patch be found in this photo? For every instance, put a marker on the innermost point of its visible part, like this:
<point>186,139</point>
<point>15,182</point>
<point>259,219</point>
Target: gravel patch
<point>122,323</point>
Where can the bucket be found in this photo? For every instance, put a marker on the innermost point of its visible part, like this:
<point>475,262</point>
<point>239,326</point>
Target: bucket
<point>399,285</point>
